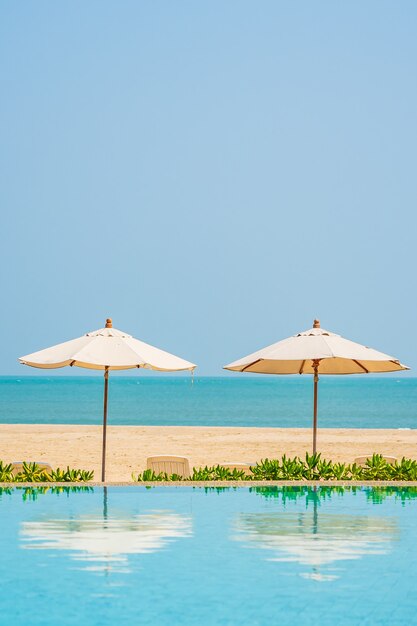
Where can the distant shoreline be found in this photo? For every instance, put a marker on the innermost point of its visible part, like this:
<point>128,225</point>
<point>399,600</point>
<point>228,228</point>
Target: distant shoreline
<point>52,373</point>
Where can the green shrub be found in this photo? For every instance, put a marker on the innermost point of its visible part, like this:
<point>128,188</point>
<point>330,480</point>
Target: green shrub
<point>339,471</point>
<point>376,468</point>
<point>406,469</point>
<point>6,475</point>
<point>202,473</point>
<point>149,475</point>
<point>271,470</point>
<point>218,472</point>
<point>199,474</point>
<point>33,473</point>
<point>312,468</point>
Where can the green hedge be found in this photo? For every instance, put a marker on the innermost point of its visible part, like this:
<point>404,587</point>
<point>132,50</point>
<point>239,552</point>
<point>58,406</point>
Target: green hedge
<point>33,473</point>
<point>313,467</point>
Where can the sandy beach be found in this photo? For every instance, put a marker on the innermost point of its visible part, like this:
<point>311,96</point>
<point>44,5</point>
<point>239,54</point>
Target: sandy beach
<point>128,446</point>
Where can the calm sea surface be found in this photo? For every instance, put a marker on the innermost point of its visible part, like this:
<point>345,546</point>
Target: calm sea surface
<point>346,401</point>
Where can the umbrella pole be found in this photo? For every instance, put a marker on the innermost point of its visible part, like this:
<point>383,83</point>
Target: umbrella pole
<point>106,393</point>
<point>316,385</point>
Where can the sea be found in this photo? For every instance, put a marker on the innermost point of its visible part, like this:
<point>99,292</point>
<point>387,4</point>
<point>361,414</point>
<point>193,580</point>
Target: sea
<point>260,401</point>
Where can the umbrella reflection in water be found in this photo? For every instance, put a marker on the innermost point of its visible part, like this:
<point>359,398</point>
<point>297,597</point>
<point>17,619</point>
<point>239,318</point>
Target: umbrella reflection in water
<point>316,539</point>
<point>103,543</point>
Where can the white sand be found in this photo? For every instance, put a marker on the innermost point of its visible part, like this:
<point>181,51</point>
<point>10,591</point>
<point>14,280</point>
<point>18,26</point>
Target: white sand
<point>128,446</point>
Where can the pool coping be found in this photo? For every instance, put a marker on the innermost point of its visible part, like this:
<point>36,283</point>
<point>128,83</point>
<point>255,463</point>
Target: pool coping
<point>223,483</point>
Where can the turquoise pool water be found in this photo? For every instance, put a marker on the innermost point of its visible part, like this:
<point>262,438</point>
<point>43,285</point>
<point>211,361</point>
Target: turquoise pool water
<point>193,556</point>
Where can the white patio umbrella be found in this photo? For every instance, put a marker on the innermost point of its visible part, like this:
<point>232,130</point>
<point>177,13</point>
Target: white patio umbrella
<point>316,351</point>
<point>106,349</point>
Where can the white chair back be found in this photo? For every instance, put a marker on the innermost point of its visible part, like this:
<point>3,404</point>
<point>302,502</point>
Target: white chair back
<point>170,465</point>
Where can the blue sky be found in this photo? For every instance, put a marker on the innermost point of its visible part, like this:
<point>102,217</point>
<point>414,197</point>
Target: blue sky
<point>213,175</point>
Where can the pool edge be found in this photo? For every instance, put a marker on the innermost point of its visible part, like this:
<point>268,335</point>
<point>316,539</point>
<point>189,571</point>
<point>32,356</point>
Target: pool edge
<point>223,483</point>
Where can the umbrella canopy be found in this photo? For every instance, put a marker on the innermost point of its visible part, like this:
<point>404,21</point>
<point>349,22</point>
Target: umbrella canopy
<point>316,351</point>
<point>106,349</point>
<point>298,354</point>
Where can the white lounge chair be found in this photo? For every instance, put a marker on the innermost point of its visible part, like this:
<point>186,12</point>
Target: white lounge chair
<point>170,465</point>
<point>361,460</point>
<point>17,466</point>
<point>238,465</point>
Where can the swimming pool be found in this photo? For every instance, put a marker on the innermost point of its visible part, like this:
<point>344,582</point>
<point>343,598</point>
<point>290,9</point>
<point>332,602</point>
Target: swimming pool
<point>208,556</point>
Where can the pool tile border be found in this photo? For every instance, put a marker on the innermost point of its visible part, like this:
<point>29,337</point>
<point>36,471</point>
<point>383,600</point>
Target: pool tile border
<point>225,483</point>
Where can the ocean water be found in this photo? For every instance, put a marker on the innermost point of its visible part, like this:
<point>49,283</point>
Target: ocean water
<point>268,401</point>
<point>189,556</point>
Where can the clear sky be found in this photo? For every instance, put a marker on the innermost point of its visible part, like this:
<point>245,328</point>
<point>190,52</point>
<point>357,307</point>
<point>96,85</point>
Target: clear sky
<point>212,175</point>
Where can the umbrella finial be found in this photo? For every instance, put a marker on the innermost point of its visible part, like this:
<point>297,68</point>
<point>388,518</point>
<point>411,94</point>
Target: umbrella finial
<point>316,324</point>
<point>109,323</point>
